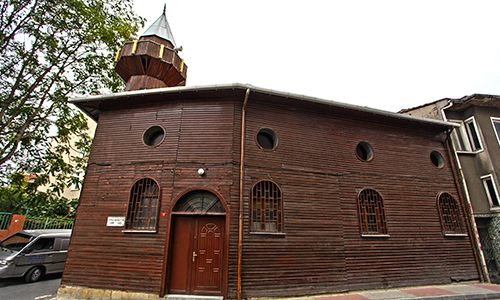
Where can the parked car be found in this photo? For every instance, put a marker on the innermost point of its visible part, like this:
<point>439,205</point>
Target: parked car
<point>34,253</point>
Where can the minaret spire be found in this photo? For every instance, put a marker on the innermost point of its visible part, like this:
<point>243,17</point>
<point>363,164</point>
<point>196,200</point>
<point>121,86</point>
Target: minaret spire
<point>161,29</point>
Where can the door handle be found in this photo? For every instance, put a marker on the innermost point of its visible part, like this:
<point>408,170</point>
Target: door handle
<point>194,255</point>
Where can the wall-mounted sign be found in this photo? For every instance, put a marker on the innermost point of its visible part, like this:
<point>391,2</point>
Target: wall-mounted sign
<point>116,221</point>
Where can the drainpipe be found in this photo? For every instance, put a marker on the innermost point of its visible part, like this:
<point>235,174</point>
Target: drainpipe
<point>242,156</point>
<point>471,221</point>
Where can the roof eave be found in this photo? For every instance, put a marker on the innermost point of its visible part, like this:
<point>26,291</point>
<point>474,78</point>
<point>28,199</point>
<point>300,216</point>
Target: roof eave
<point>252,88</point>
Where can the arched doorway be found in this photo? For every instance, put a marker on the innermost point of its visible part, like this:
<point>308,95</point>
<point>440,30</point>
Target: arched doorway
<point>197,245</point>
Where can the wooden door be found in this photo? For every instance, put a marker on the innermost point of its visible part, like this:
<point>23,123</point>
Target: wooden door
<point>196,256</point>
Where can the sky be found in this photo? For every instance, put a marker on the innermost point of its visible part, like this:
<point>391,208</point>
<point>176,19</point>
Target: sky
<point>382,54</point>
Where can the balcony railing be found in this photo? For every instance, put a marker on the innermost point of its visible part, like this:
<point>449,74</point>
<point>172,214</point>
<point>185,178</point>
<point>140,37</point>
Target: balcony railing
<point>5,219</point>
<point>32,223</point>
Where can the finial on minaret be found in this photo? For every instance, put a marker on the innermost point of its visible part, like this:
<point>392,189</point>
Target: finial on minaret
<point>164,8</point>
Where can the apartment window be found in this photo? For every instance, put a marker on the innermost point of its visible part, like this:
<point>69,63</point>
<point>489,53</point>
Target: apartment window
<point>459,137</point>
<point>76,181</point>
<point>466,137</point>
<point>452,222</point>
<point>496,126</point>
<point>267,214</point>
<point>75,186</point>
<point>371,213</point>
<point>473,134</point>
<point>491,190</point>
<point>143,205</point>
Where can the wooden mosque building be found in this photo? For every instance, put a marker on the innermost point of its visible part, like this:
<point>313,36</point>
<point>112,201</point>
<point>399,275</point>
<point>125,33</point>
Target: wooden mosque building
<point>239,191</point>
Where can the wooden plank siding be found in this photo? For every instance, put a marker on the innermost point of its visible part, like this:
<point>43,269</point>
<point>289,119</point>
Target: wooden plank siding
<point>321,249</point>
<point>316,166</point>
<point>107,258</point>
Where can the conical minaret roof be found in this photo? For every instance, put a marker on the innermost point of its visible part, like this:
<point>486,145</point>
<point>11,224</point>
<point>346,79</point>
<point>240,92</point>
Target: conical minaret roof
<point>161,29</point>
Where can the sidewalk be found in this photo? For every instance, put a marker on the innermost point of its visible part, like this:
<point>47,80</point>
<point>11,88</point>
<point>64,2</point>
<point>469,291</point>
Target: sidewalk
<point>471,291</point>
<point>462,291</point>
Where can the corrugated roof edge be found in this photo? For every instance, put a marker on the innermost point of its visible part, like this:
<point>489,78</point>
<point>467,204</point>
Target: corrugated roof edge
<point>423,105</point>
<point>462,100</point>
<point>252,88</point>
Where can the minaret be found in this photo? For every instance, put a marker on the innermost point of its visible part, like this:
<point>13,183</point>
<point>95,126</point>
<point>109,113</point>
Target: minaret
<point>152,61</point>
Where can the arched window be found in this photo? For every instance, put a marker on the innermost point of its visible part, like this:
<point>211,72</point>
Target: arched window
<point>143,205</point>
<point>371,213</point>
<point>199,201</point>
<point>452,221</point>
<point>267,214</point>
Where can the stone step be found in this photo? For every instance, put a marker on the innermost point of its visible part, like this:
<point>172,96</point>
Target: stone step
<point>192,297</point>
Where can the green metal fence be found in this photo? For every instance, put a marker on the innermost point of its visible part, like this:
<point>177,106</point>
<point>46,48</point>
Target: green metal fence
<point>32,223</point>
<point>5,220</point>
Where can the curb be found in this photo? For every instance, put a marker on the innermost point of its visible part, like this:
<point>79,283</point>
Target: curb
<point>46,297</point>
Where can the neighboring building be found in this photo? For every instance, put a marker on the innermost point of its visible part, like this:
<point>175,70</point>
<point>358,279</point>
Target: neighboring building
<point>476,145</point>
<point>73,192</point>
<point>238,191</point>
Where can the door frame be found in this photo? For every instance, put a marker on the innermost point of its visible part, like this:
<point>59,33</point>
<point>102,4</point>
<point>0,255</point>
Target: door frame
<point>166,257</point>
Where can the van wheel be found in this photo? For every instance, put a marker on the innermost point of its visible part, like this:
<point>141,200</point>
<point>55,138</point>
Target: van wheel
<point>33,275</point>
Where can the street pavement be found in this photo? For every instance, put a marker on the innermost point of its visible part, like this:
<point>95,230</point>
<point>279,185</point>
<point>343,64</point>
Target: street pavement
<point>462,291</point>
<point>17,289</point>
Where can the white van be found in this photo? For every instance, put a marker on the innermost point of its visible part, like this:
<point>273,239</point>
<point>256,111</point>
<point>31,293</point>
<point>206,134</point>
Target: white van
<point>34,253</point>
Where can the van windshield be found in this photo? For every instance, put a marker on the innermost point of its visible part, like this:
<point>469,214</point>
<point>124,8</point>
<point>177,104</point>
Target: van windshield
<point>16,242</point>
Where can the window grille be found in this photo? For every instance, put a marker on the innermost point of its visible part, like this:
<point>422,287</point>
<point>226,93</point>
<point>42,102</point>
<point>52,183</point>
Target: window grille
<point>143,205</point>
<point>267,213</point>
<point>371,213</point>
<point>488,249</point>
<point>450,214</point>
<point>199,202</point>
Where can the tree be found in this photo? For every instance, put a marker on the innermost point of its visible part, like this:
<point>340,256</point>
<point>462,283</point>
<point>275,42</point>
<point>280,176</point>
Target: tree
<point>22,197</point>
<point>51,50</point>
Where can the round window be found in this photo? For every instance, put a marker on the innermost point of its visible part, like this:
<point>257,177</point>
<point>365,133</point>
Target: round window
<point>153,136</point>
<point>364,151</point>
<point>437,159</point>
<point>267,139</point>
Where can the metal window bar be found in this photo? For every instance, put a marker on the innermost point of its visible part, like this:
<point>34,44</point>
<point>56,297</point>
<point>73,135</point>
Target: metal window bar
<point>33,223</point>
<point>488,249</point>
<point>451,216</point>
<point>143,205</point>
<point>371,212</point>
<point>266,207</point>
<point>200,202</point>
<point>5,219</point>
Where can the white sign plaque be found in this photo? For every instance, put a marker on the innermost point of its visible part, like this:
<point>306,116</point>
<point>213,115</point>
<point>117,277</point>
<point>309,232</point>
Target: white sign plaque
<point>116,221</point>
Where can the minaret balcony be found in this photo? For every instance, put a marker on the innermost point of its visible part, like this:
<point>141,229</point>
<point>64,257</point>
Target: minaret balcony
<point>146,58</point>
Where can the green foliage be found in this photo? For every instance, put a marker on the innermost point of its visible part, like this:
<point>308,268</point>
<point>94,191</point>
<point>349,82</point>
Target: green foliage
<point>23,198</point>
<point>51,50</point>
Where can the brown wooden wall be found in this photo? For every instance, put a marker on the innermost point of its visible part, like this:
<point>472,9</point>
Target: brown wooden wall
<point>319,173</point>
<point>197,135</point>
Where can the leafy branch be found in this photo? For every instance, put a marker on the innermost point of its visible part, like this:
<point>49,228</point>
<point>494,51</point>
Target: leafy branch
<point>51,50</point>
